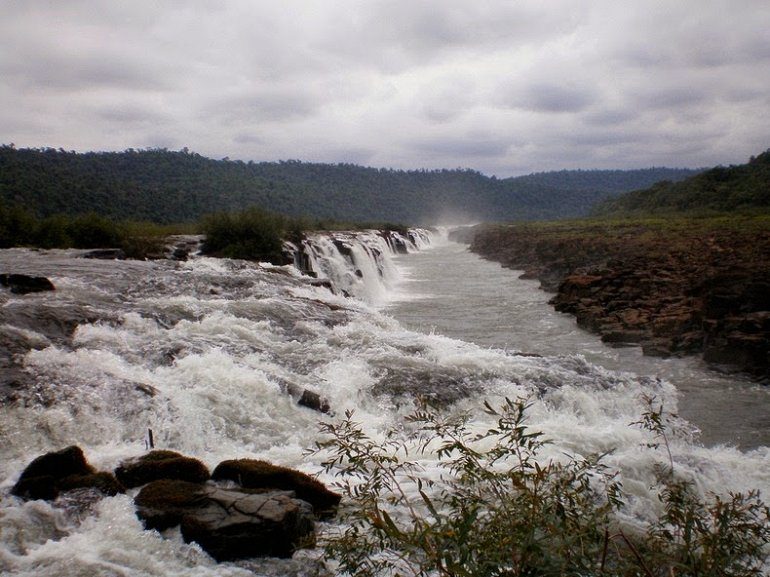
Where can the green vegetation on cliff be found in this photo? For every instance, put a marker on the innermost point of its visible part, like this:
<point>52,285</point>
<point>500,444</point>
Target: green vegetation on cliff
<point>165,186</point>
<point>743,188</point>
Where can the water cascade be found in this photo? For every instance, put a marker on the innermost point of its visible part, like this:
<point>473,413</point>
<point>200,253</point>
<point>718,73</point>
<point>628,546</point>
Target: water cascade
<point>210,354</point>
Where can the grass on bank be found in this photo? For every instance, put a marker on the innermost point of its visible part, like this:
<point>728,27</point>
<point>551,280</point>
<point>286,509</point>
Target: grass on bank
<point>756,221</point>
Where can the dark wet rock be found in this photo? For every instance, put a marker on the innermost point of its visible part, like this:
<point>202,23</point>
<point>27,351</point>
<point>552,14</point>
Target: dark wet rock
<point>105,254</point>
<point>256,474</point>
<point>314,401</point>
<point>343,248</point>
<point>160,464</point>
<point>50,320</point>
<point>435,385</point>
<point>69,461</point>
<point>228,523</point>
<point>103,481</point>
<point>56,472</point>
<point>24,284</point>
<point>13,383</point>
<point>146,389</point>
<point>180,254</point>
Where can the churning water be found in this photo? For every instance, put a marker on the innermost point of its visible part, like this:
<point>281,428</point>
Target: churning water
<point>454,292</point>
<point>208,353</point>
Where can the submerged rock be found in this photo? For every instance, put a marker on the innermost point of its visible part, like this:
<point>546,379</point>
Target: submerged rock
<point>228,523</point>
<point>106,254</point>
<point>65,470</point>
<point>256,474</point>
<point>159,464</point>
<point>314,401</point>
<point>23,284</point>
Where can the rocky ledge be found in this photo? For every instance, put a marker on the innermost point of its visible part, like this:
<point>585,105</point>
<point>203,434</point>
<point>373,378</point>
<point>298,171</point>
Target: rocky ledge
<point>674,287</point>
<point>246,508</point>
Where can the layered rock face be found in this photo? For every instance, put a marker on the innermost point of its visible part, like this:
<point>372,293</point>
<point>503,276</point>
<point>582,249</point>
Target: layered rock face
<point>673,287</point>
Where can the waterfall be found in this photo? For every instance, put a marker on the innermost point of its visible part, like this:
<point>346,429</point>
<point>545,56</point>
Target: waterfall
<point>356,264</point>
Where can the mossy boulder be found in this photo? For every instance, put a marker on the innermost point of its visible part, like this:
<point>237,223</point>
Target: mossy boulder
<point>257,474</point>
<point>50,474</point>
<point>157,465</point>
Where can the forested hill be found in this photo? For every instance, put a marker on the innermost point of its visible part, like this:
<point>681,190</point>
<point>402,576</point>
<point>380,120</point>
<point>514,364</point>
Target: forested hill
<point>167,186</point>
<point>743,187</point>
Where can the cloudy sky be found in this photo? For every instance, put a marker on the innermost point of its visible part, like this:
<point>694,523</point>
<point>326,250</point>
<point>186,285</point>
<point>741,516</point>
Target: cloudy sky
<point>505,87</point>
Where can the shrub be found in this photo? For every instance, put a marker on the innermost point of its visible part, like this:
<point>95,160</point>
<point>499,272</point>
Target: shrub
<point>52,232</point>
<point>16,226</point>
<point>499,511</point>
<point>94,231</point>
<point>252,234</point>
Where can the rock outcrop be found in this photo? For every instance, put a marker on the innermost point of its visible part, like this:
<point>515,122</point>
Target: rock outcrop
<point>24,284</point>
<point>106,254</point>
<point>228,523</point>
<point>271,512</point>
<point>256,474</point>
<point>673,287</point>
<point>159,464</point>
<point>53,473</point>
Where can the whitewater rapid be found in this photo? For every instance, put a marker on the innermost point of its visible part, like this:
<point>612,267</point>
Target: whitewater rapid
<point>207,354</point>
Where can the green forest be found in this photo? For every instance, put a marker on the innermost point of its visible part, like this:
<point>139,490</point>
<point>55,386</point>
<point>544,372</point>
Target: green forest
<point>736,188</point>
<point>163,186</point>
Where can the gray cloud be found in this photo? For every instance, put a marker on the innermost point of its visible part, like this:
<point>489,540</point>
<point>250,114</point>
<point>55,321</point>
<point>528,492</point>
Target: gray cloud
<point>505,87</point>
<point>553,97</point>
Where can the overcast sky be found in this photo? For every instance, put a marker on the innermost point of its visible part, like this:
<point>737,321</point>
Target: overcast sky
<point>505,87</point>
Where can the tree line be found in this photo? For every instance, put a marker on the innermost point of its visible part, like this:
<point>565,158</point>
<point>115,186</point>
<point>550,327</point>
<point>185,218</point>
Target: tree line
<point>165,186</point>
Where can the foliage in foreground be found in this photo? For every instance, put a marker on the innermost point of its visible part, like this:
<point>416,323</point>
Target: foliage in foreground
<point>499,511</point>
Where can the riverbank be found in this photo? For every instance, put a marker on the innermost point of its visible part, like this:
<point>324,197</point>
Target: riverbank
<point>673,286</point>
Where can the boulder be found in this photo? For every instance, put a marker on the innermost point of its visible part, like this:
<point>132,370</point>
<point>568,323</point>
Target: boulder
<point>313,401</point>
<point>65,470</point>
<point>180,253</point>
<point>157,465</point>
<point>256,474</point>
<point>105,254</point>
<point>23,284</point>
<point>228,524</point>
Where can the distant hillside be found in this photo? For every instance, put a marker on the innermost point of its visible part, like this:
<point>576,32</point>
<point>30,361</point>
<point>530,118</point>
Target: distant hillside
<point>166,186</point>
<point>745,187</point>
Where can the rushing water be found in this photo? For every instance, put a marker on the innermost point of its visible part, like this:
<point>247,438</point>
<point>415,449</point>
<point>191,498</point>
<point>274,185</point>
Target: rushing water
<point>210,353</point>
<point>454,292</point>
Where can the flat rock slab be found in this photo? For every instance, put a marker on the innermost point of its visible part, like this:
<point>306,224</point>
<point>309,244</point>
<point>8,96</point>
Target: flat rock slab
<point>257,474</point>
<point>23,284</point>
<point>229,523</point>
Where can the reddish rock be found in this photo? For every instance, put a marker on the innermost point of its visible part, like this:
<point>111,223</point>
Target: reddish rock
<point>50,474</point>
<point>680,287</point>
<point>159,464</point>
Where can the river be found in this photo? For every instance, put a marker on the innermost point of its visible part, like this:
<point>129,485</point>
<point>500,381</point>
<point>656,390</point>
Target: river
<point>209,353</point>
<point>453,292</point>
